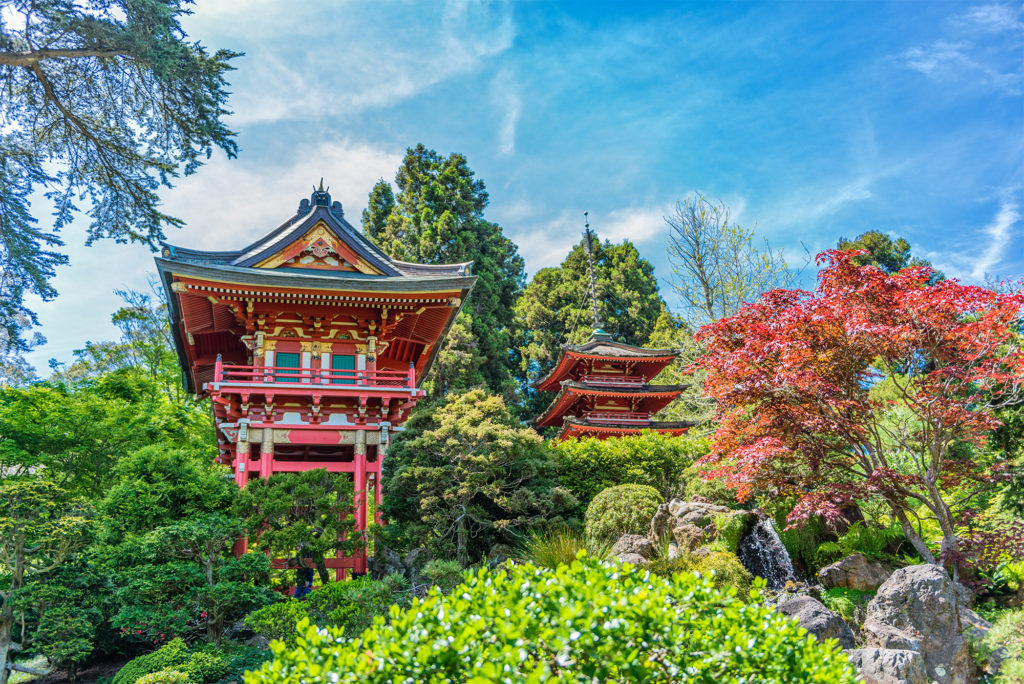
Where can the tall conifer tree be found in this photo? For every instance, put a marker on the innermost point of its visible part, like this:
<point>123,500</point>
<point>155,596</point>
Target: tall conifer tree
<point>437,216</point>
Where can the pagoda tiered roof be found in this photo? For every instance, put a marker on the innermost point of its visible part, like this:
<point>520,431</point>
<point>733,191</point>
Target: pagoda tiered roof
<point>315,267</point>
<point>600,347</point>
<point>603,389</point>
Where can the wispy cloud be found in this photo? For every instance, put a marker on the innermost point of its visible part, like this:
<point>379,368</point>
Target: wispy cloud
<point>550,241</point>
<point>369,69</point>
<point>996,18</point>
<point>998,233</point>
<point>508,102</point>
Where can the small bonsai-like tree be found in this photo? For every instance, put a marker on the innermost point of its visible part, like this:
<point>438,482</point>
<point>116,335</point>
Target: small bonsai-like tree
<point>872,386</point>
<point>40,527</point>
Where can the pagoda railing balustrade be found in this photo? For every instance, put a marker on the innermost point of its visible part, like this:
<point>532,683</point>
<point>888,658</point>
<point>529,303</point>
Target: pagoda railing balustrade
<point>260,375</point>
<point>613,380</point>
<point>618,417</point>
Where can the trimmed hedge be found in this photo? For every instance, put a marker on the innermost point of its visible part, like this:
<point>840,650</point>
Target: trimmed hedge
<point>587,621</point>
<point>625,509</point>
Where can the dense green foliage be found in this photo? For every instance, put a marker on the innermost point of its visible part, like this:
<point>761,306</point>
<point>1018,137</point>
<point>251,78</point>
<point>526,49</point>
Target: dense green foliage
<point>1008,634</point>
<point>580,622</point>
<point>467,476</point>
<point>846,602</point>
<point>301,515</point>
<point>722,568</point>
<point>587,466</point>
<point>103,102</point>
<point>437,216</point>
<point>882,251</point>
<point>619,510</point>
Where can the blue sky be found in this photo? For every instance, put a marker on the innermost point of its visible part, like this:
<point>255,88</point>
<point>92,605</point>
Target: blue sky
<point>811,121</point>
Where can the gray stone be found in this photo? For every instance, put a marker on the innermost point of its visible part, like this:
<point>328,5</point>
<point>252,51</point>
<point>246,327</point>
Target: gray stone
<point>634,543</point>
<point>976,629</point>
<point>854,572</point>
<point>818,620</point>
<point>689,537</point>
<point>917,609</point>
<point>889,665</point>
<point>634,558</point>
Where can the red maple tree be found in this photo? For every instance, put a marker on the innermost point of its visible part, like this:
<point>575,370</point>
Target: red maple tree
<point>871,386</point>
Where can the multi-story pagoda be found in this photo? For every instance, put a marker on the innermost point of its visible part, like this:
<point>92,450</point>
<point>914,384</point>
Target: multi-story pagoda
<point>312,344</point>
<point>603,386</point>
<point>604,391</point>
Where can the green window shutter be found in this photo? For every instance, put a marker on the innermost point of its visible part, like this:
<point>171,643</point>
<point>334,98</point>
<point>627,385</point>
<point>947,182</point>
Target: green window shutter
<point>343,362</point>
<point>287,360</point>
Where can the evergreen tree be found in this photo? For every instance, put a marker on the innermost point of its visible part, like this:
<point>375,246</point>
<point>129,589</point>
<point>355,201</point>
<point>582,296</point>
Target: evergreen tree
<point>102,101</point>
<point>437,217</point>
<point>887,254</point>
<point>465,476</point>
<point>555,308</point>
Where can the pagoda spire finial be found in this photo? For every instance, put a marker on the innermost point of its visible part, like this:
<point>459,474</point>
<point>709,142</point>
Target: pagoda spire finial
<point>587,236</point>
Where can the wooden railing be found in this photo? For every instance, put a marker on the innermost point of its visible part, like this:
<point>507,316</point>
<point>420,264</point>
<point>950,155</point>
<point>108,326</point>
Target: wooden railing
<point>258,375</point>
<point>613,380</point>
<point>618,417</point>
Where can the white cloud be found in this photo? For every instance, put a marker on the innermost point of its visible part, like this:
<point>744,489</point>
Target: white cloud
<point>940,56</point>
<point>998,233</point>
<point>232,202</point>
<point>549,242</point>
<point>996,18</point>
<point>374,62</point>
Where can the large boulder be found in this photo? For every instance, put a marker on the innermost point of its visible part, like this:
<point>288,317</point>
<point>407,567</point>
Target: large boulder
<point>854,572</point>
<point>889,665</point>
<point>692,524</point>
<point>634,544</point>
<point>917,609</point>
<point>634,558</point>
<point>818,620</point>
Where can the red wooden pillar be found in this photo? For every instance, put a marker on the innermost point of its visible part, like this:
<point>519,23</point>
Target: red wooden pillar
<point>267,453</point>
<point>360,498</point>
<point>241,477</point>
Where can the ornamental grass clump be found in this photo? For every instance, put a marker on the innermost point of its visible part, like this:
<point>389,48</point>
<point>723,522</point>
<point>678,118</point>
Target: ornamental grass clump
<point>562,545</point>
<point>625,509</point>
<point>582,622</point>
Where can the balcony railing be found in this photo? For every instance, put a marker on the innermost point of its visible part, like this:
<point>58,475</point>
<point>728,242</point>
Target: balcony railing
<point>260,375</point>
<point>618,417</point>
<point>613,380</point>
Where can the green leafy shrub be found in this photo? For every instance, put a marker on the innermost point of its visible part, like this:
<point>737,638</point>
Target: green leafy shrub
<point>624,509</point>
<point>586,621</point>
<point>353,604</point>
<point>846,601</point>
<point>241,659</point>
<point>694,485</point>
<point>443,574</point>
<point>207,666</point>
<point>1008,633</point>
<point>278,620</point>
<point>65,637</point>
<point>588,466</point>
<point>730,529</point>
<point>172,655</point>
<point>724,569</point>
<point>166,677</point>
<point>561,546</point>
<point>860,538</point>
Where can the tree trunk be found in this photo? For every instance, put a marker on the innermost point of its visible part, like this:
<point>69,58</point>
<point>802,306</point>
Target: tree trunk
<point>912,535</point>
<point>6,629</point>
<point>461,541</point>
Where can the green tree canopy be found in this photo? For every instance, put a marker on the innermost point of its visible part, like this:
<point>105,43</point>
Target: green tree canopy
<point>437,216</point>
<point>883,251</point>
<point>101,102</point>
<point>299,515</point>
<point>467,475</point>
<point>555,308</point>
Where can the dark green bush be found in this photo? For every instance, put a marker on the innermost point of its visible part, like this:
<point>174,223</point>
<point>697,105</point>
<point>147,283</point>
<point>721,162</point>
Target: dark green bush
<point>695,485</point>
<point>353,604</point>
<point>241,659</point>
<point>207,666</point>
<point>624,509</point>
<point>443,574</point>
<point>583,622</point>
<point>172,655</point>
